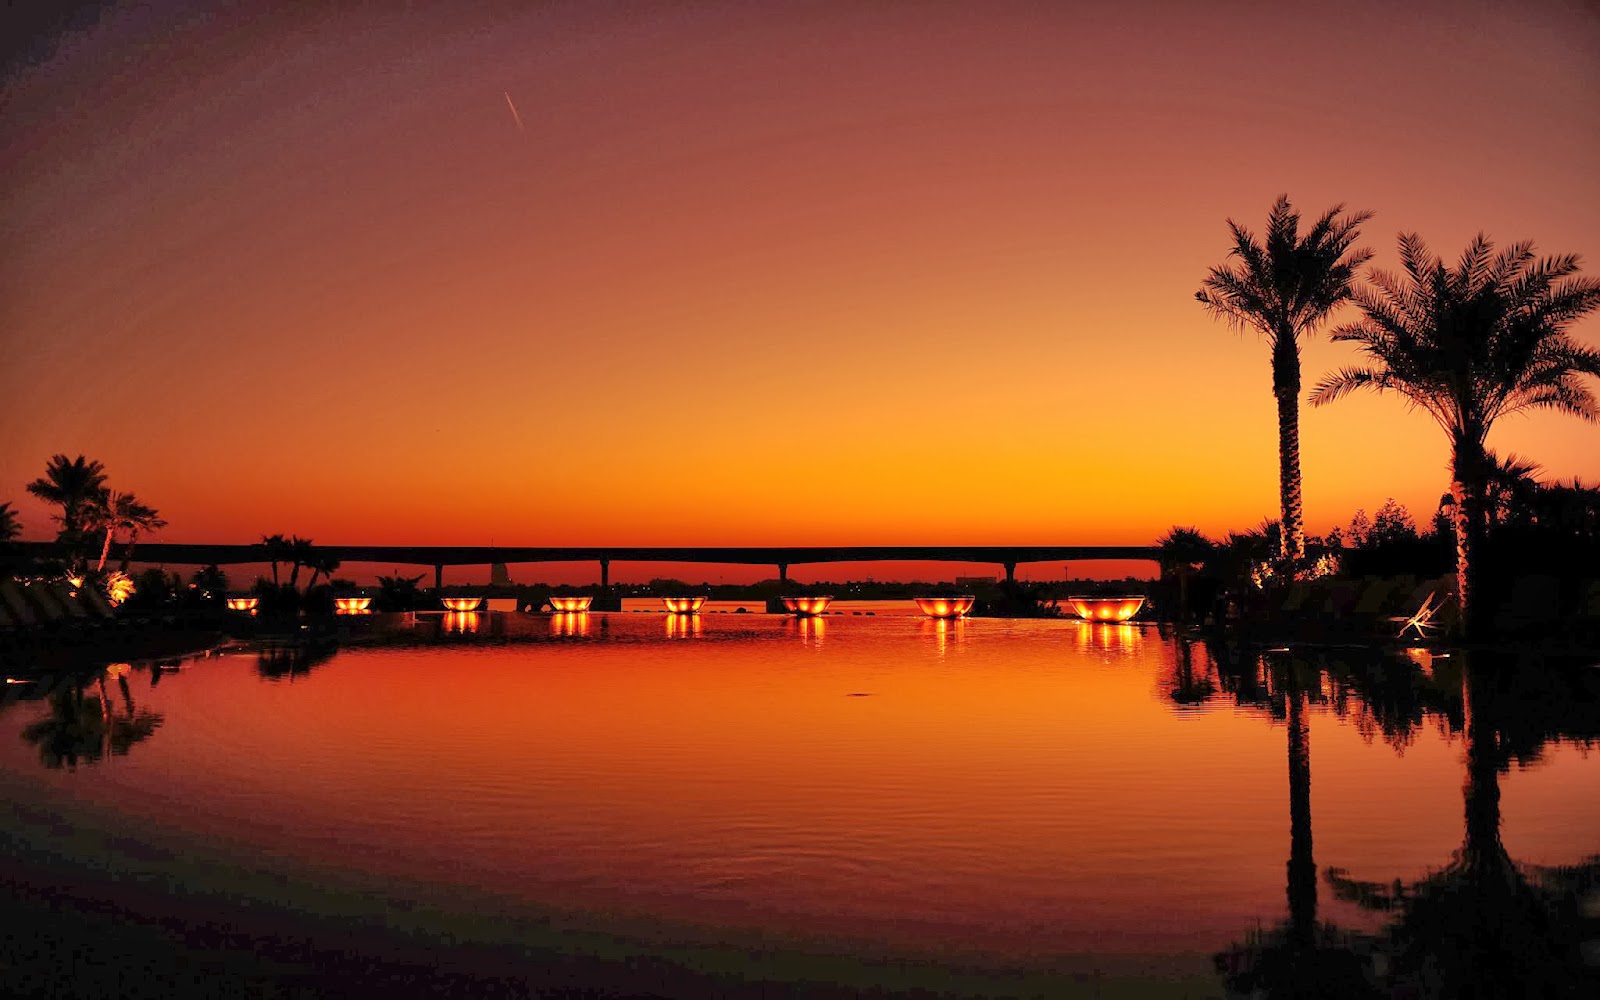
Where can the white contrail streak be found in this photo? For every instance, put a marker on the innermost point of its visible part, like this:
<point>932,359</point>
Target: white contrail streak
<point>515,117</point>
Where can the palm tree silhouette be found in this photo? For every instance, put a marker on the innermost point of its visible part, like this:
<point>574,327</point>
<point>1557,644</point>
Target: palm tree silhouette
<point>1182,550</point>
<point>276,550</point>
<point>72,484</point>
<point>1284,286</point>
<point>1469,345</point>
<point>112,512</point>
<point>321,565</point>
<point>300,553</point>
<point>10,527</point>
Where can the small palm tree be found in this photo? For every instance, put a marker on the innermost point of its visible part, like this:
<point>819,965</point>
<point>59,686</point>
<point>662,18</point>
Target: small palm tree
<point>1284,286</point>
<point>1513,482</point>
<point>321,564</point>
<point>10,527</point>
<point>1182,551</point>
<point>1468,345</point>
<point>73,484</point>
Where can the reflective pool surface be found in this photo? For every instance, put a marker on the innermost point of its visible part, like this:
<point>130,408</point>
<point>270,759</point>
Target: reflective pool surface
<point>1055,797</point>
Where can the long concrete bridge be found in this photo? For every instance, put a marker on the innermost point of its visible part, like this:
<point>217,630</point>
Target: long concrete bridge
<point>440,556</point>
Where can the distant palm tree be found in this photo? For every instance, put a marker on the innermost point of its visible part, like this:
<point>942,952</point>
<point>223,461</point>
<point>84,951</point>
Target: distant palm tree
<point>277,551</point>
<point>1284,286</point>
<point>301,551</point>
<point>73,484</point>
<point>1182,550</point>
<point>1469,345</point>
<point>321,564</point>
<point>112,512</point>
<point>1512,484</point>
<point>10,527</point>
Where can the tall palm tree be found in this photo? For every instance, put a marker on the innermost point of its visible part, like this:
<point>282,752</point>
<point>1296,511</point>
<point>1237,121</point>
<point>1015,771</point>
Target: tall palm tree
<point>1469,345</point>
<point>1284,286</point>
<point>73,484</point>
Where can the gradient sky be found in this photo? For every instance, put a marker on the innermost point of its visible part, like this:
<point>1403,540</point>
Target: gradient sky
<point>825,274</point>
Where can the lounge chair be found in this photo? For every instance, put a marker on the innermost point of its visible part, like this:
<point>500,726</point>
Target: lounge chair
<point>1423,619</point>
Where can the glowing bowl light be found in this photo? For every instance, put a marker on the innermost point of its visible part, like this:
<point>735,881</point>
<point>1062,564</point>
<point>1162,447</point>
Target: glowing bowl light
<point>1106,609</point>
<point>349,605</point>
<point>243,603</point>
<point>683,605</point>
<point>805,607</point>
<point>462,603</point>
<point>945,607</point>
<point>570,603</point>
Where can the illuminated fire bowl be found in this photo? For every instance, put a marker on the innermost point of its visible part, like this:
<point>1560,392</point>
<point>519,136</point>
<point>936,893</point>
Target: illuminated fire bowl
<point>683,605</point>
<point>945,607</point>
<point>243,603</point>
<point>806,607</point>
<point>570,603</point>
<point>352,605</point>
<point>462,603</point>
<point>1106,609</point>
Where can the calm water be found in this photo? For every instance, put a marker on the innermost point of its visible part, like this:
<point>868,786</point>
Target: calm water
<point>1024,793</point>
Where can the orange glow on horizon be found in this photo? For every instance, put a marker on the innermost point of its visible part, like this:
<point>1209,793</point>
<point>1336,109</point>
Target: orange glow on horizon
<point>987,221</point>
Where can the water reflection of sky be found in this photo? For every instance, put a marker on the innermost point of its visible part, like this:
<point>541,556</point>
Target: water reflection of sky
<point>1023,788</point>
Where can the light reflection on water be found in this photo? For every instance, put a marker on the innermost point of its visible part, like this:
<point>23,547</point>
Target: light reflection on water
<point>1021,788</point>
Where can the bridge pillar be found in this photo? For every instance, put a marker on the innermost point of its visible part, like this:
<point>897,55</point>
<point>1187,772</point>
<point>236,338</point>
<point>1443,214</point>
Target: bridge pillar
<point>438,576</point>
<point>1011,572</point>
<point>605,572</point>
<point>783,572</point>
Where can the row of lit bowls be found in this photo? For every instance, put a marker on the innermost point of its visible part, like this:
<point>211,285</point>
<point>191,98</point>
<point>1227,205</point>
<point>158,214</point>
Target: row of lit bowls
<point>1097,609</point>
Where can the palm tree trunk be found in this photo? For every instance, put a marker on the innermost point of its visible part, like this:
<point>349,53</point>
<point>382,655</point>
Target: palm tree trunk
<point>1286,388</point>
<point>105,551</point>
<point>1467,489</point>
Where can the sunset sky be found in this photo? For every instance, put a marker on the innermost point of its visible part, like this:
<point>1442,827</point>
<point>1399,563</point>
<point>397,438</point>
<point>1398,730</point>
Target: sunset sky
<point>841,273</point>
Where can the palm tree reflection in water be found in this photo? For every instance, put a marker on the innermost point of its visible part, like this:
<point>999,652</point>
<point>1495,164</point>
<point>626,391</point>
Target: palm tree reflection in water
<point>1484,926</point>
<point>291,660</point>
<point>1189,689</point>
<point>1480,927</point>
<point>88,728</point>
<point>1301,957</point>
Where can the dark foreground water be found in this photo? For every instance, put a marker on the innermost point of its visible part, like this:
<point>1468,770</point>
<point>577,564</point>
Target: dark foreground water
<point>1035,807</point>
